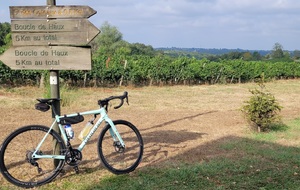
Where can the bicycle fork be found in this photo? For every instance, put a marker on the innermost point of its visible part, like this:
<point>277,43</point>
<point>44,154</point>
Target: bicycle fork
<point>118,141</point>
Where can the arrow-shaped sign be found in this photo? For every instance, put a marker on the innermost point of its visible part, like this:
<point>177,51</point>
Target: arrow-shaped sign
<point>56,25</point>
<point>65,38</point>
<point>55,32</point>
<point>33,39</point>
<point>46,12</point>
<point>47,58</point>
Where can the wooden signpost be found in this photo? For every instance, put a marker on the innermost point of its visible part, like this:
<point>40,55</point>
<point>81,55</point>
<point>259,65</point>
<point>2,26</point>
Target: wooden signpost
<point>46,12</point>
<point>50,38</point>
<point>48,58</point>
<point>53,32</point>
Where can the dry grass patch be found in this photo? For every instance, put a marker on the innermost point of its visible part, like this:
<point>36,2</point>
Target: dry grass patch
<point>173,120</point>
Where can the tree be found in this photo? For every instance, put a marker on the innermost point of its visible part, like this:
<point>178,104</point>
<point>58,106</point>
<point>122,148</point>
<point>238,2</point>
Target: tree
<point>297,54</point>
<point>277,52</point>
<point>4,33</point>
<point>112,49</point>
<point>107,40</point>
<point>247,56</point>
<point>142,49</point>
<point>256,56</point>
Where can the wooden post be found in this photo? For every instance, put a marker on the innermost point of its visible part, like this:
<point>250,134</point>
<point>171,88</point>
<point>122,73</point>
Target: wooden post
<point>54,88</point>
<point>125,65</point>
<point>51,2</point>
<point>54,80</point>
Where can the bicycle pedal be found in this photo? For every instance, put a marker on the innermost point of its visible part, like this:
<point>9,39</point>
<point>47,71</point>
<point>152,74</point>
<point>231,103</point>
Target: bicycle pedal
<point>40,170</point>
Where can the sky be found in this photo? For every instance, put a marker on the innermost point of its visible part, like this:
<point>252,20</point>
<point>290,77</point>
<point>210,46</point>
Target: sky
<point>245,24</point>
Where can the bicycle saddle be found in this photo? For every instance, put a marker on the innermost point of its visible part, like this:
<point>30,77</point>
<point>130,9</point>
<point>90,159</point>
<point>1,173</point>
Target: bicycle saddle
<point>48,100</point>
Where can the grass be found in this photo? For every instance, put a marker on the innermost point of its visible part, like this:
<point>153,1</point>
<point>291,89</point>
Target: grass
<point>249,160</point>
<point>256,162</point>
<point>259,163</point>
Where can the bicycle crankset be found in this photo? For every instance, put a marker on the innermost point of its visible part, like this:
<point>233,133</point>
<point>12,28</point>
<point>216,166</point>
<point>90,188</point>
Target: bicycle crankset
<point>73,157</point>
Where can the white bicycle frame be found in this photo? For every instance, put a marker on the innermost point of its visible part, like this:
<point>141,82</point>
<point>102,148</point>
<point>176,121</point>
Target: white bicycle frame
<point>103,117</point>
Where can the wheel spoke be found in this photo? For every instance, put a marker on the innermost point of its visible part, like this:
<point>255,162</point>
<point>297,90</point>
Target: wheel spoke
<point>120,159</point>
<point>17,164</point>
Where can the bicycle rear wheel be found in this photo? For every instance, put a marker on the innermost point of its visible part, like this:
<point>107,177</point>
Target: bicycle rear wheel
<point>17,164</point>
<point>117,159</point>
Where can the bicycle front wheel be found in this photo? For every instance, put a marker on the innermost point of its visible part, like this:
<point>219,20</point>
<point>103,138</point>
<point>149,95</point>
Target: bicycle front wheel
<point>117,159</point>
<point>17,164</point>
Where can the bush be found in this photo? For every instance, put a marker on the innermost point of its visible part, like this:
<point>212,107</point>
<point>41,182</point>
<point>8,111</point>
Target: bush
<point>262,109</point>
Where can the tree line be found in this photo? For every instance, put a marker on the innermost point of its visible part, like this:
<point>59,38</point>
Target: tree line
<point>117,62</point>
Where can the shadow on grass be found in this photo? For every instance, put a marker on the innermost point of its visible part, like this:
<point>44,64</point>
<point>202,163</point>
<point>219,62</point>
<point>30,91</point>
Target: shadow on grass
<point>279,127</point>
<point>227,163</point>
<point>161,138</point>
<point>230,162</point>
<point>176,120</point>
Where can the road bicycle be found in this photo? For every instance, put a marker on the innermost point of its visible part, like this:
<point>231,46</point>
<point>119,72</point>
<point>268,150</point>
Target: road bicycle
<point>34,155</point>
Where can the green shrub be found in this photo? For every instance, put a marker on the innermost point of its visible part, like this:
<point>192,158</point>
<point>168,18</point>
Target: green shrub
<point>262,109</point>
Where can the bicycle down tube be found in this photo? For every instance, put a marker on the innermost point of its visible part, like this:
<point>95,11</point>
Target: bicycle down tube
<point>104,117</point>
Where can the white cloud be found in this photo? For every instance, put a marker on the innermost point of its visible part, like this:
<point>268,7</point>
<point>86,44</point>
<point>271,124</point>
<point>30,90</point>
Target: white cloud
<point>193,23</point>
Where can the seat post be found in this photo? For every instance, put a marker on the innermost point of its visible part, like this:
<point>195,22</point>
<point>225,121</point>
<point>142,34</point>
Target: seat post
<point>55,104</point>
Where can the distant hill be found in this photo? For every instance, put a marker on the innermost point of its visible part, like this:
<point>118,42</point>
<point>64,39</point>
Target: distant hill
<point>210,51</point>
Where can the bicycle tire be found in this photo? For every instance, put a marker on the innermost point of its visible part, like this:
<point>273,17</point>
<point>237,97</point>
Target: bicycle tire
<point>125,161</point>
<point>16,164</point>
